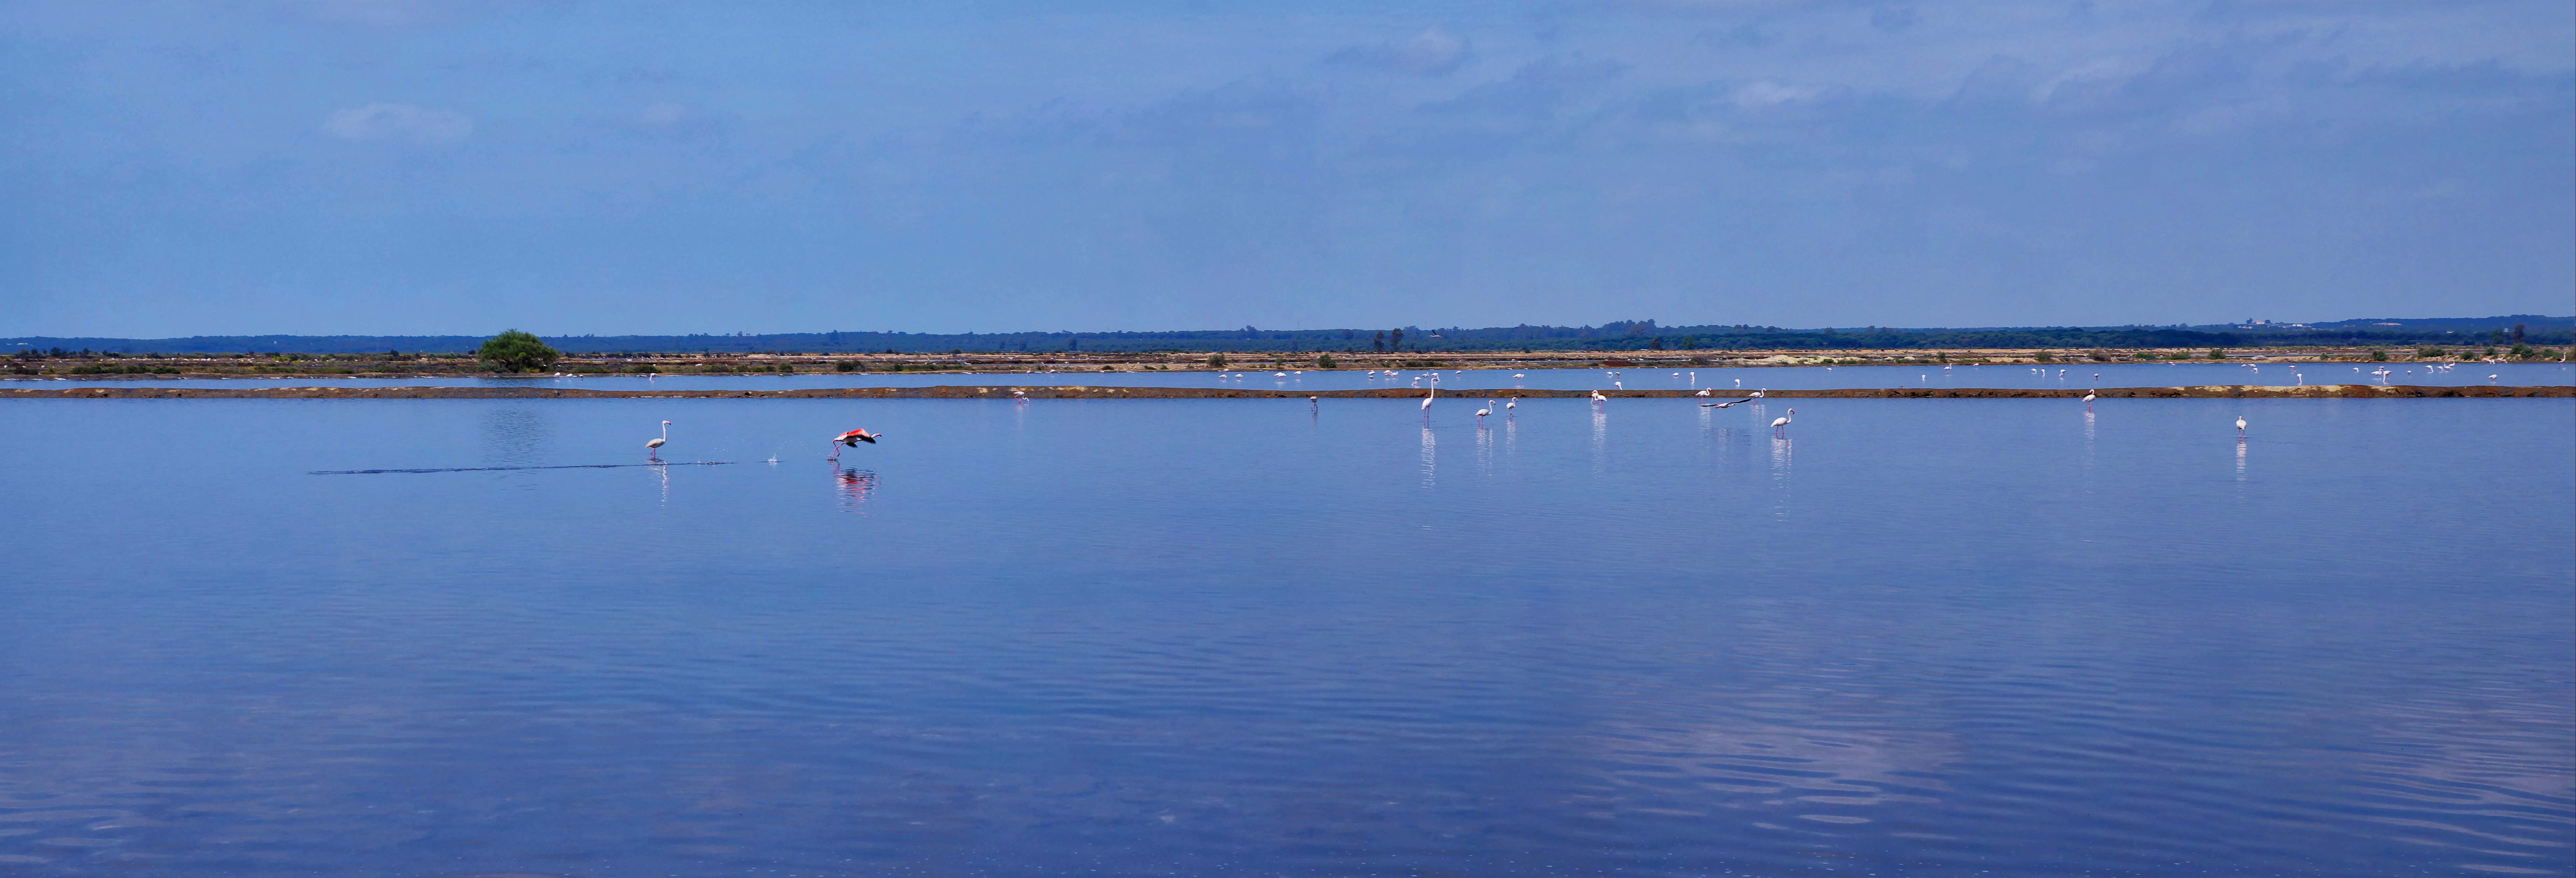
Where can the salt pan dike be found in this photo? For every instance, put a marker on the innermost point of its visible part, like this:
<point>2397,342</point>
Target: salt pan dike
<point>1042,391</point>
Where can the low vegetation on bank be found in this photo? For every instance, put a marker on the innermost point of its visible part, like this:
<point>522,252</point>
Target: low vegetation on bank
<point>521,353</point>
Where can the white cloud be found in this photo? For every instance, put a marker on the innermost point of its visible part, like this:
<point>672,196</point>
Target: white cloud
<point>1771,94</point>
<point>398,122</point>
<point>1432,52</point>
<point>662,115</point>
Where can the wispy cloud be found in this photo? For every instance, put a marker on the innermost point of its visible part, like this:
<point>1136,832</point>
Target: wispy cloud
<point>402,123</point>
<point>1433,52</point>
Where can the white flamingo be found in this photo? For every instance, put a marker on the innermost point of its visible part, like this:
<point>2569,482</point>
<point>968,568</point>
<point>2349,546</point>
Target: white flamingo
<point>1487,410</point>
<point>1598,399</point>
<point>2088,400</point>
<point>1780,425</point>
<point>652,447</point>
<point>2240,426</point>
<point>1512,403</point>
<point>1426,401</point>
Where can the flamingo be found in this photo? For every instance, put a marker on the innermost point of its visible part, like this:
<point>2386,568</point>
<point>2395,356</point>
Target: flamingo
<point>1720,405</point>
<point>852,439</point>
<point>1701,393</point>
<point>1487,410</point>
<point>652,446</point>
<point>2088,400</point>
<point>1598,399</point>
<point>2240,426</point>
<point>1512,403</point>
<point>1780,425</point>
<point>1426,401</point>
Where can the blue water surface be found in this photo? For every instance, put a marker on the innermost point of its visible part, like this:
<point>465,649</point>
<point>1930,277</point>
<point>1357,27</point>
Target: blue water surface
<point>1468,380</point>
<point>1254,637</point>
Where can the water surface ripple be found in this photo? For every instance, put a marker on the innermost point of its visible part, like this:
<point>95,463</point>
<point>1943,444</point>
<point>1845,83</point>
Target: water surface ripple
<point>1961,637</point>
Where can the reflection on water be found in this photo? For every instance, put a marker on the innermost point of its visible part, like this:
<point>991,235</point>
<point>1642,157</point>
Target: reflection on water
<point>1960,638</point>
<point>1600,439</point>
<point>854,485</point>
<point>1430,458</point>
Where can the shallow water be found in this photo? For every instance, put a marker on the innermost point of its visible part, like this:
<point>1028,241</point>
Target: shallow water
<point>1972,637</point>
<point>1720,379</point>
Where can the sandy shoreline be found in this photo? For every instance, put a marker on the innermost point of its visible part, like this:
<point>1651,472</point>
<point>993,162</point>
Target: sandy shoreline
<point>2219,391</point>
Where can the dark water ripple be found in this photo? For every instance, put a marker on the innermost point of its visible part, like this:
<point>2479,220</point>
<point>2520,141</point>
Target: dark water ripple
<point>1217,638</point>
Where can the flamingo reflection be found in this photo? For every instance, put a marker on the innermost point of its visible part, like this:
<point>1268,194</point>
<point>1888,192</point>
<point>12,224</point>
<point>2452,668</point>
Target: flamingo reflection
<point>854,485</point>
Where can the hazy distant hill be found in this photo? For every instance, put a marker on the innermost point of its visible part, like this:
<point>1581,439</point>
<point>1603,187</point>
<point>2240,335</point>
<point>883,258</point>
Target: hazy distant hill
<point>1614,335</point>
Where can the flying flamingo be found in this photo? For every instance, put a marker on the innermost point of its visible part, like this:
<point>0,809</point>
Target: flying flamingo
<point>1720,405</point>
<point>652,446</point>
<point>852,439</point>
<point>1780,425</point>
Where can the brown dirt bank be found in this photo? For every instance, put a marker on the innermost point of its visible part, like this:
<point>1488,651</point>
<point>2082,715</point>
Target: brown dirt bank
<point>2316,391</point>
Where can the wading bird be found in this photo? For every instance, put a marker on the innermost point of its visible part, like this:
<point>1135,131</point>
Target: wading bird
<point>1720,405</point>
<point>852,439</point>
<point>2088,400</point>
<point>1701,393</point>
<point>2240,426</point>
<point>1512,403</point>
<point>1426,401</point>
<point>1487,410</point>
<point>652,446</point>
<point>1597,398</point>
<point>1780,425</point>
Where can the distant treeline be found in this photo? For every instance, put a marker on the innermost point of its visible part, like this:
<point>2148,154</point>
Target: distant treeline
<point>1619,335</point>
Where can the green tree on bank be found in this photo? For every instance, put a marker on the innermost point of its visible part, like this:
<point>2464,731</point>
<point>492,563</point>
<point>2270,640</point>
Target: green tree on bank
<point>515,351</point>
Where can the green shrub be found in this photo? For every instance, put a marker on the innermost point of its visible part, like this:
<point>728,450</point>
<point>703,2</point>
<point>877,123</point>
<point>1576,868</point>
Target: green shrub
<point>515,351</point>
<point>2378,356</point>
<point>1216,361</point>
<point>1326,361</point>
<point>848,366</point>
<point>2218,353</point>
<point>2427,353</point>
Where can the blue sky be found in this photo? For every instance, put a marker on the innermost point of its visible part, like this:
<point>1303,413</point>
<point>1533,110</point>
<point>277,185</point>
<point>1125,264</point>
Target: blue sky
<point>431,166</point>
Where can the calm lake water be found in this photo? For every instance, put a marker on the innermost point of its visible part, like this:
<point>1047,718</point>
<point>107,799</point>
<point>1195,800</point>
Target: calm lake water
<point>1470,380</point>
<point>1240,637</point>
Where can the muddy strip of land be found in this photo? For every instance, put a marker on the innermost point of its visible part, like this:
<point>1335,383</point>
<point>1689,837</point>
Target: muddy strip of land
<point>2219,391</point>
